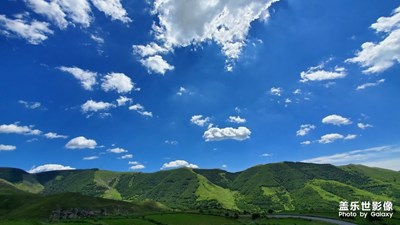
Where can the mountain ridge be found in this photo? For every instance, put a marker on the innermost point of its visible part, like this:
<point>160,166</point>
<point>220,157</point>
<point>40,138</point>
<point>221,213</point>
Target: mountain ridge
<point>283,186</point>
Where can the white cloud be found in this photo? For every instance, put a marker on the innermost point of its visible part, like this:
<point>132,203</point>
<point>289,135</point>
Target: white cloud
<point>49,167</point>
<point>350,137</point>
<point>145,113</point>
<point>127,156</point>
<point>112,8</point>
<point>383,156</point>
<point>218,134</point>
<point>305,129</point>
<point>86,77</point>
<point>51,135</point>
<point>149,49</point>
<point>378,57</point>
<point>366,85</point>
<point>171,142</point>
<point>52,10</point>
<point>97,39</point>
<point>93,106</point>
<point>137,167</point>
<point>225,22</point>
<point>123,100</point>
<point>34,32</point>
<point>7,147</point>
<point>199,120</point>
<point>81,143</point>
<point>330,138</point>
<point>118,82</point>
<point>277,91</point>
<point>136,107</point>
<point>224,166</point>
<point>17,129</point>
<point>318,73</point>
<point>297,92</point>
<point>177,164</point>
<point>90,158</point>
<point>77,10</point>
<point>306,142</point>
<point>140,109</point>
<point>364,126</point>
<point>288,100</point>
<point>336,120</point>
<point>30,105</point>
<point>117,150</point>
<point>236,119</point>
<point>156,64</point>
<point>266,155</point>
<point>182,91</point>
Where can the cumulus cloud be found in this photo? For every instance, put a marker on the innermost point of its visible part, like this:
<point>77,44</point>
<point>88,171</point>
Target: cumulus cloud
<point>93,106</point>
<point>81,143</point>
<point>199,120</point>
<point>49,167</point>
<point>156,64</point>
<point>149,49</point>
<point>226,23</point>
<point>277,91</point>
<point>51,135</point>
<point>113,9</point>
<point>85,77</point>
<point>366,85</point>
<point>17,129</point>
<point>7,147</point>
<point>90,158</point>
<point>219,134</point>
<point>305,129</point>
<point>236,119</point>
<point>318,73</point>
<point>378,57</point>
<point>123,100</point>
<point>118,82</point>
<point>178,164</point>
<point>127,156</point>
<point>336,120</point>
<point>34,32</point>
<point>30,105</point>
<point>136,165</point>
<point>140,109</point>
<point>364,126</point>
<point>117,150</point>
<point>330,138</point>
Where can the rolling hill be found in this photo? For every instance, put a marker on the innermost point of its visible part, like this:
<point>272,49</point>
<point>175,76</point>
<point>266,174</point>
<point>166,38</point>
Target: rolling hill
<point>281,187</point>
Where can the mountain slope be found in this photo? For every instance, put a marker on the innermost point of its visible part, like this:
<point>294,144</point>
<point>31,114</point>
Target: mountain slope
<point>285,186</point>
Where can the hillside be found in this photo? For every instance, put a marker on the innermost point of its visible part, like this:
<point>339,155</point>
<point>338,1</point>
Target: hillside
<point>286,186</point>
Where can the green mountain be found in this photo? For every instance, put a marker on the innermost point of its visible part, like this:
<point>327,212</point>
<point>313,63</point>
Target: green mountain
<point>286,186</point>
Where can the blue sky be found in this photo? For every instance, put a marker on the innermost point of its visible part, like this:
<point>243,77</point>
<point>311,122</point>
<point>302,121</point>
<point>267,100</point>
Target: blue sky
<point>139,86</point>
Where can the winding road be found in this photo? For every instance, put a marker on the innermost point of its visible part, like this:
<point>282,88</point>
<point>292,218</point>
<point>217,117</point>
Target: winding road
<point>333,221</point>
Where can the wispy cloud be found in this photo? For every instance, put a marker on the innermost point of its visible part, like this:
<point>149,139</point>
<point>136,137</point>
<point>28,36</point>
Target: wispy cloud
<point>382,156</point>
